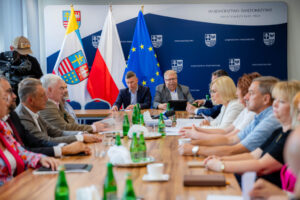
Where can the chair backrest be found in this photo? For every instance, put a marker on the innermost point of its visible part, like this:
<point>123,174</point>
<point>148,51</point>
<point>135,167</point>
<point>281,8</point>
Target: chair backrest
<point>97,104</point>
<point>75,105</point>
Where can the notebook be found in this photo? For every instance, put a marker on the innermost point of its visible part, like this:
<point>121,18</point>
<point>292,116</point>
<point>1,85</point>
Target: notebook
<point>204,180</point>
<point>70,167</point>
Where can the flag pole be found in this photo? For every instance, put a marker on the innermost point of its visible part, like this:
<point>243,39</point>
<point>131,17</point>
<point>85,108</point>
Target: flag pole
<point>142,8</point>
<point>110,8</point>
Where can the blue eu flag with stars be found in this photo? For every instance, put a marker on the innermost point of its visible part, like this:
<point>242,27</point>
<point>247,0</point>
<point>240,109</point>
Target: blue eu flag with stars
<point>142,58</point>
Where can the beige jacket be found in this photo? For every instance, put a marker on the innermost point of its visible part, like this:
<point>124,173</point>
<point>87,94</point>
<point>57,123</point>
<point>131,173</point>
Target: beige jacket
<point>61,119</point>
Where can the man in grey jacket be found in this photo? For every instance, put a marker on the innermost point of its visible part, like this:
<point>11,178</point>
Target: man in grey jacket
<point>33,99</point>
<point>171,90</point>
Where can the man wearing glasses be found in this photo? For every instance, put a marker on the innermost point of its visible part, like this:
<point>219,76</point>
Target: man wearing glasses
<point>171,90</point>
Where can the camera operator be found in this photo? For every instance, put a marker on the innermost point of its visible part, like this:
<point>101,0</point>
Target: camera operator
<point>17,64</point>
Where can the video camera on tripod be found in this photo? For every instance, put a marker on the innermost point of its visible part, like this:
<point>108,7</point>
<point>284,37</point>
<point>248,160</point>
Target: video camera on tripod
<point>14,67</point>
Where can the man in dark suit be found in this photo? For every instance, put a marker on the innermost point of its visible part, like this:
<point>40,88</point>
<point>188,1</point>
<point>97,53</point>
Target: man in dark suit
<point>29,141</point>
<point>133,94</point>
<point>171,90</point>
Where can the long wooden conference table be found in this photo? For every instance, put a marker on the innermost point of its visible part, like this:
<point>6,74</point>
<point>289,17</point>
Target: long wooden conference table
<point>164,150</point>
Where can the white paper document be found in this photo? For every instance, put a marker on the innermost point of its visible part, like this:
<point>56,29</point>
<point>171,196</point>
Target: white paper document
<point>248,180</point>
<point>187,122</point>
<point>172,131</point>
<point>223,197</point>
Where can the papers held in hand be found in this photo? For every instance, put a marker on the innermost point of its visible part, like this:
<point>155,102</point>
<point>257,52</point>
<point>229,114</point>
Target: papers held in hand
<point>70,167</point>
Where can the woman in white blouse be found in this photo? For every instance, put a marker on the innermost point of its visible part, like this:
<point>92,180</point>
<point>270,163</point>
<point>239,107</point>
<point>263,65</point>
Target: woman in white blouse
<point>231,119</point>
<point>223,91</point>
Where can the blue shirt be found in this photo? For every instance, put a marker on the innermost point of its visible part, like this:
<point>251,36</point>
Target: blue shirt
<point>133,97</point>
<point>259,130</point>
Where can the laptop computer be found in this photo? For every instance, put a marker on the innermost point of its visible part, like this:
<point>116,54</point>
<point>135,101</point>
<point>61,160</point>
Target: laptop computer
<point>177,104</point>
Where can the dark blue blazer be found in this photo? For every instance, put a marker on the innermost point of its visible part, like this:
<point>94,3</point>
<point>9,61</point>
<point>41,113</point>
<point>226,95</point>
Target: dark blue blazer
<point>143,97</point>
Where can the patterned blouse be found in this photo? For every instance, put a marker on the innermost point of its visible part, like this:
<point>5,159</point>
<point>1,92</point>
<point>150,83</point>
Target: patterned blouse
<point>30,159</point>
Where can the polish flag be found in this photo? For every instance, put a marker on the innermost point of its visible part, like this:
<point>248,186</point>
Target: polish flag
<point>105,79</point>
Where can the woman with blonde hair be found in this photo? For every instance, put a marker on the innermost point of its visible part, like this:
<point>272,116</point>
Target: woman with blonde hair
<point>267,160</point>
<point>290,172</point>
<point>223,91</point>
<point>296,105</point>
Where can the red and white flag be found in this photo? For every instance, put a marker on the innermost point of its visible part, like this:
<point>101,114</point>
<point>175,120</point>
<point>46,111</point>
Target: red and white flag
<point>105,79</point>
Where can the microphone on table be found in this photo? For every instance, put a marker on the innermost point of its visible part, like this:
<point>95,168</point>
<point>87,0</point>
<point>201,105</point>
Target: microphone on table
<point>166,114</point>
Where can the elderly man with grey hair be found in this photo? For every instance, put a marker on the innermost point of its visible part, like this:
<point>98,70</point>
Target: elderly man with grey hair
<point>33,99</point>
<point>171,90</point>
<point>54,112</point>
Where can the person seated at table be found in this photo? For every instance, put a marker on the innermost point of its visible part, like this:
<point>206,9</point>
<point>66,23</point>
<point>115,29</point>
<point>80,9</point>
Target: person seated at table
<point>66,104</point>
<point>29,141</point>
<point>210,110</point>
<point>263,189</point>
<point>33,99</point>
<point>132,95</point>
<point>258,100</point>
<point>171,90</point>
<point>14,159</point>
<point>223,91</point>
<point>267,160</point>
<point>54,112</point>
<point>242,120</point>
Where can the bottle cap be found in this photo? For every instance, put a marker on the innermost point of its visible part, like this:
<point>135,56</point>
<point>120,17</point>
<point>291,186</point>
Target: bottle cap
<point>61,167</point>
<point>109,164</point>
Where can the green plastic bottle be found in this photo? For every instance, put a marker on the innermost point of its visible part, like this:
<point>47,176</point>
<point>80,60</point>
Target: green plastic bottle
<point>168,107</point>
<point>161,125</point>
<point>207,97</point>
<point>138,112</point>
<point>195,104</point>
<point>142,147</point>
<point>126,125</point>
<point>118,140</point>
<point>110,185</point>
<point>61,189</point>
<point>128,191</point>
<point>134,149</point>
<point>134,115</point>
<point>142,122</point>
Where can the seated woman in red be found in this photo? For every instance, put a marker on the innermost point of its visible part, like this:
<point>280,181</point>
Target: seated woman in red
<point>14,159</point>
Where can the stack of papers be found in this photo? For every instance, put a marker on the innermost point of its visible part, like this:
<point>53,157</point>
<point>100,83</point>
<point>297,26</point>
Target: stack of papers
<point>172,131</point>
<point>187,122</point>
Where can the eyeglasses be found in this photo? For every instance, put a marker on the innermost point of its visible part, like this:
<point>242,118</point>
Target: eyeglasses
<point>171,79</point>
<point>212,91</point>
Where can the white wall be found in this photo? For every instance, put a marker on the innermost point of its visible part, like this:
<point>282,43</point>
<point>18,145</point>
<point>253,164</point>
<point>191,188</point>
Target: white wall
<point>293,23</point>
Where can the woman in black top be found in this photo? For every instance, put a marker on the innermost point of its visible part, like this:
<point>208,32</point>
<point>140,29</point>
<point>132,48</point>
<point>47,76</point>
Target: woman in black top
<point>268,159</point>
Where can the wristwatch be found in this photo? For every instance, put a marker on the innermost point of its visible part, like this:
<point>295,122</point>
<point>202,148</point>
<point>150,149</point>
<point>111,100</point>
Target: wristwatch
<point>195,149</point>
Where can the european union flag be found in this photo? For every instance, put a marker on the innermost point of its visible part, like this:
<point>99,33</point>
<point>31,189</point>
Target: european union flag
<point>142,58</point>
